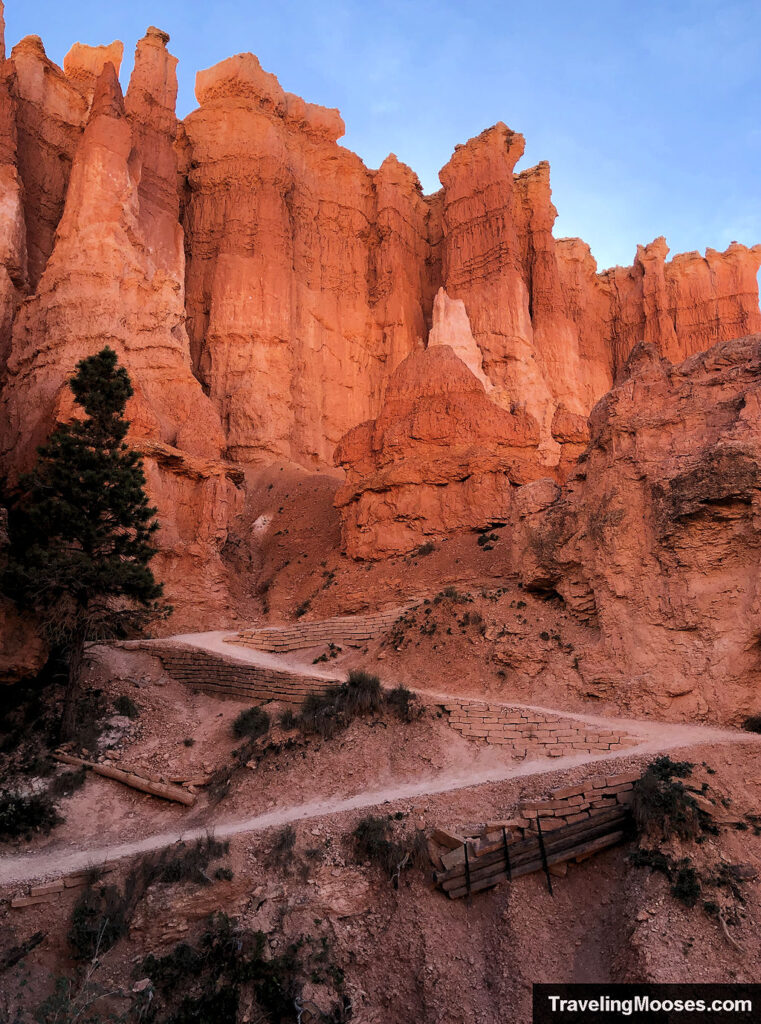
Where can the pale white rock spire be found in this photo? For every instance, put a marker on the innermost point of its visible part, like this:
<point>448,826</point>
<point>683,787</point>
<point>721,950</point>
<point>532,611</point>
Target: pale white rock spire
<point>451,326</point>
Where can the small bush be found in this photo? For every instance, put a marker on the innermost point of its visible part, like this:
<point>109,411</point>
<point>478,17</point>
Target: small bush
<point>223,875</point>
<point>303,608</point>
<point>230,974</point>
<point>487,541</point>
<point>686,886</point>
<point>752,724</point>
<point>183,863</point>
<point>403,703</point>
<point>425,549</point>
<point>22,816</point>
<point>362,693</point>
<point>288,719</point>
<point>189,742</point>
<point>332,652</point>
<point>321,713</point>
<point>325,713</point>
<point>102,915</point>
<point>251,724</point>
<point>663,806</point>
<point>67,783</point>
<point>126,706</point>
<point>284,847</point>
<point>100,918</point>
<point>374,841</point>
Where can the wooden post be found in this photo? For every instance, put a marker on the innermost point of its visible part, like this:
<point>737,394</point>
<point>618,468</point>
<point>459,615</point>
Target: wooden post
<point>543,852</point>
<point>507,854</point>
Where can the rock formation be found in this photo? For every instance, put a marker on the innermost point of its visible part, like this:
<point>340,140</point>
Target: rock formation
<point>263,287</point>
<point>655,538</point>
<point>116,275</point>
<point>308,275</point>
<point>440,457</point>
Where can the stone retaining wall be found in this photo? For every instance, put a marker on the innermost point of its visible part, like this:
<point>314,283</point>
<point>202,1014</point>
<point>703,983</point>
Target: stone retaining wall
<point>226,677</point>
<point>351,630</point>
<point>532,732</point>
<point>570,804</point>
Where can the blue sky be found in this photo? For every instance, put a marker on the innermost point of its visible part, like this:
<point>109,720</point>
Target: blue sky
<point>648,112</point>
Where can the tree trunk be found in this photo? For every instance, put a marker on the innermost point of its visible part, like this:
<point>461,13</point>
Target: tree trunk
<point>76,657</point>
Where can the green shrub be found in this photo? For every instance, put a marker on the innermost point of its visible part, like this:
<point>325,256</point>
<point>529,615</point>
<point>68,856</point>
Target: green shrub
<point>100,918</point>
<point>374,841</point>
<point>223,874</point>
<point>662,805</point>
<point>403,703</point>
<point>283,849</point>
<point>362,693</point>
<point>126,706</point>
<point>182,863</point>
<point>752,723</point>
<point>686,886</point>
<point>21,816</point>
<point>102,915</point>
<point>251,724</point>
<point>231,969</point>
<point>288,719</point>
<point>321,713</point>
<point>425,549</point>
<point>685,880</point>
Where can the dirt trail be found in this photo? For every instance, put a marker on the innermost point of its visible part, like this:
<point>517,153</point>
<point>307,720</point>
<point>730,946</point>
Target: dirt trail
<point>214,642</point>
<point>25,868</point>
<point>656,737</point>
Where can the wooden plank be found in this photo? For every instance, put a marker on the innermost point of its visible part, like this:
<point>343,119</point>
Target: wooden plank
<point>452,858</point>
<point>497,864</point>
<point>457,858</point>
<point>603,842</point>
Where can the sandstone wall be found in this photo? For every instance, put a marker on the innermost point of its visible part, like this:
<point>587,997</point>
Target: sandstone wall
<point>654,541</point>
<point>115,275</point>
<point>308,275</point>
<point>264,288</point>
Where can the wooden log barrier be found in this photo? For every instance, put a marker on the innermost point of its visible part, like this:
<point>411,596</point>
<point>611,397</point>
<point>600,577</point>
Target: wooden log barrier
<point>500,861</point>
<point>160,789</point>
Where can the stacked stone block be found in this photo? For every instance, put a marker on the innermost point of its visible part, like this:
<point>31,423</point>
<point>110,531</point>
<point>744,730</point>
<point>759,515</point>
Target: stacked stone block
<point>527,732</point>
<point>350,630</point>
<point>226,677</point>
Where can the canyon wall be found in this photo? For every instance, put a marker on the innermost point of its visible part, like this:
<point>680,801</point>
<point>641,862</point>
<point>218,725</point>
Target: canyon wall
<point>268,293</point>
<point>654,540</point>
<point>114,274</point>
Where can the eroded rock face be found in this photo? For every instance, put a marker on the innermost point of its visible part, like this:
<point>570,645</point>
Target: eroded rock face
<point>116,276</point>
<point>308,274</point>
<point>263,287</point>
<point>22,651</point>
<point>440,458</point>
<point>655,538</point>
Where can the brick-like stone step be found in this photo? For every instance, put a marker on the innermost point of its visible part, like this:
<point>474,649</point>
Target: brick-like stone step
<point>351,630</point>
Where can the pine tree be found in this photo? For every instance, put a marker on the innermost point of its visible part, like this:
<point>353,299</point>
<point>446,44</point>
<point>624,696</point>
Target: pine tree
<point>82,528</point>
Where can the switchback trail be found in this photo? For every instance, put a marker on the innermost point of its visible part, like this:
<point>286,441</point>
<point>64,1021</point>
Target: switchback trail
<point>656,738</point>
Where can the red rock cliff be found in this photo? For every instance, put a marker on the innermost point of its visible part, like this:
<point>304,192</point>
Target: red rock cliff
<point>263,286</point>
